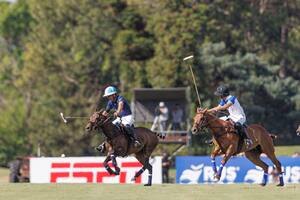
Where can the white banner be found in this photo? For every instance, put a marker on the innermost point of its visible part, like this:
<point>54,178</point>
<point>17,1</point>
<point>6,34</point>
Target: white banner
<point>89,170</point>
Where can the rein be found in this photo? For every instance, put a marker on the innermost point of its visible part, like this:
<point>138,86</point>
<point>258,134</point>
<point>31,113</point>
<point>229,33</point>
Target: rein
<point>219,127</point>
<point>101,125</point>
<point>106,120</point>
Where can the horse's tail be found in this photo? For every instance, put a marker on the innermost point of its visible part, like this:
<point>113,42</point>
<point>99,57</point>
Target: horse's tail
<point>273,136</point>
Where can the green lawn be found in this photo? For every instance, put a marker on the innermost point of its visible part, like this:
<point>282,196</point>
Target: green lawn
<point>139,192</point>
<point>287,150</point>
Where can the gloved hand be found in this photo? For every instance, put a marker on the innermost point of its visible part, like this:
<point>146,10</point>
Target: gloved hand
<point>116,114</point>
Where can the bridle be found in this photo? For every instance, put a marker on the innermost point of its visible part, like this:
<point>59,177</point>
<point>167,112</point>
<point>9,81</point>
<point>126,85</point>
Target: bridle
<point>101,123</point>
<point>204,122</point>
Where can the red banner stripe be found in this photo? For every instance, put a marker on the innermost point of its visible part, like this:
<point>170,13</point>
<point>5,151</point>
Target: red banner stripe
<point>131,164</point>
<point>87,175</point>
<point>55,175</point>
<point>60,165</point>
<point>88,165</point>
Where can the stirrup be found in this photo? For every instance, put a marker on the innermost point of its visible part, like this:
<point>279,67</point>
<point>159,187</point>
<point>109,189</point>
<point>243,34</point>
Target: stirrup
<point>137,143</point>
<point>248,142</point>
<point>100,148</point>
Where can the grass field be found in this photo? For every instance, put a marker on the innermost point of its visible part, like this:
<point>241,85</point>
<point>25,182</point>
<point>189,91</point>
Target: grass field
<point>287,150</point>
<point>139,192</point>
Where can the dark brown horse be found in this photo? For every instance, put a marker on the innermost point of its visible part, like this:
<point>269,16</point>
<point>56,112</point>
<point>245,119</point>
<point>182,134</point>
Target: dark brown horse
<point>118,144</point>
<point>228,142</point>
<point>298,131</point>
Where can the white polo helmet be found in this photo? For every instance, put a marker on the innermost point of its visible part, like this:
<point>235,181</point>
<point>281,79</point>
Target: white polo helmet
<point>161,104</point>
<point>110,90</point>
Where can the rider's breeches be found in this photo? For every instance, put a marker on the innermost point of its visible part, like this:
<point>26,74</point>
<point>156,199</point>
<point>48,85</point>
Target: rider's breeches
<point>126,120</point>
<point>236,119</point>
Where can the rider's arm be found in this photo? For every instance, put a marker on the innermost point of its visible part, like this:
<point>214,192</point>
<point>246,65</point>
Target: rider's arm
<point>219,107</point>
<point>107,109</point>
<point>120,108</point>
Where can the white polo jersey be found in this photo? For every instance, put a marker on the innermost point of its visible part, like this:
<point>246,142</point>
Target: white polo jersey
<point>236,112</point>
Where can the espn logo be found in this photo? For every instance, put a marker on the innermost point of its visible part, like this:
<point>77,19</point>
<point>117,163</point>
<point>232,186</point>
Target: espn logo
<point>92,172</point>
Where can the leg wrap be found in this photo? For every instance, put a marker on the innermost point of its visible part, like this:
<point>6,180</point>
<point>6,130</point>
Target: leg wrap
<point>265,179</point>
<point>113,159</point>
<point>139,172</point>
<point>220,170</point>
<point>281,179</point>
<point>213,164</point>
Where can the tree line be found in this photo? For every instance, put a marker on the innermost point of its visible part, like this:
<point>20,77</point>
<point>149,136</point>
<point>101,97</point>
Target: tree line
<point>58,56</point>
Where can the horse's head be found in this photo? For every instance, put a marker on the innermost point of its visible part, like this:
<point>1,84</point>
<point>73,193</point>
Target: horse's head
<point>298,131</point>
<point>200,120</point>
<point>96,121</point>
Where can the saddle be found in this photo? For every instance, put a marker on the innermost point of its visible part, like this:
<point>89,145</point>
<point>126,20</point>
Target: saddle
<point>230,128</point>
<point>123,131</point>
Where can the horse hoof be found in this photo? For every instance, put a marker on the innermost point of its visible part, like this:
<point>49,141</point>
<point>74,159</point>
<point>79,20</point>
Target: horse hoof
<point>263,184</point>
<point>280,185</point>
<point>217,177</point>
<point>133,179</point>
<point>147,184</point>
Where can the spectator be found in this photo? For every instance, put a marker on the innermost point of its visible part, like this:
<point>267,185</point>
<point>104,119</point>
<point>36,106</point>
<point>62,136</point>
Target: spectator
<point>14,168</point>
<point>166,163</point>
<point>177,115</point>
<point>161,117</point>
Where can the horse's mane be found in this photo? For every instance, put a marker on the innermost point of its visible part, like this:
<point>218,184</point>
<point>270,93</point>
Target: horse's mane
<point>214,116</point>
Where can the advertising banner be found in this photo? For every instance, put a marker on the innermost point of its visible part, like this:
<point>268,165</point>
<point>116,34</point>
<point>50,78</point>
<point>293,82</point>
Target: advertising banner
<point>197,169</point>
<point>89,170</point>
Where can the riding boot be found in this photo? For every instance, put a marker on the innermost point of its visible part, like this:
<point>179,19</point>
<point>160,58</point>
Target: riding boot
<point>243,133</point>
<point>130,131</point>
<point>101,148</point>
<point>248,140</point>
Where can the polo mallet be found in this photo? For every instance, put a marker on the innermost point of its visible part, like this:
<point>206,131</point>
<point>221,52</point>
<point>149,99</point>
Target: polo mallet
<point>64,118</point>
<point>186,59</point>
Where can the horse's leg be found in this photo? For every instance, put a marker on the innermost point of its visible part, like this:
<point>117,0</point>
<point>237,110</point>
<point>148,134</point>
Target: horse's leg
<point>216,151</point>
<point>105,163</point>
<point>254,157</point>
<point>141,159</point>
<point>267,147</point>
<point>114,162</point>
<point>149,167</point>
<point>276,162</point>
<point>146,165</point>
<point>229,152</point>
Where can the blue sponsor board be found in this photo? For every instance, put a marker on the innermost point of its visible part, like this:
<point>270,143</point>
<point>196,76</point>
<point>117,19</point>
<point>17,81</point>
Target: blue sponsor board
<point>197,169</point>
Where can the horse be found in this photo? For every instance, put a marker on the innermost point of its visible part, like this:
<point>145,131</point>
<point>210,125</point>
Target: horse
<point>118,144</point>
<point>229,143</point>
<point>298,131</point>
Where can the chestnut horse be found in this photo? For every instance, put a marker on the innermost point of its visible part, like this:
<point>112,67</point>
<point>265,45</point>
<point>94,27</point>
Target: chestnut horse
<point>298,131</point>
<point>226,142</point>
<point>120,145</point>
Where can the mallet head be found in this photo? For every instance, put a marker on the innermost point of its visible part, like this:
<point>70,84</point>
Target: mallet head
<point>188,57</point>
<point>62,116</point>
